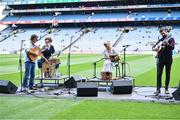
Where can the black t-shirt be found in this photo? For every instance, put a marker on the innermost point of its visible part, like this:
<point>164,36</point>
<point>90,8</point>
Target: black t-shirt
<point>168,50</point>
<point>48,52</point>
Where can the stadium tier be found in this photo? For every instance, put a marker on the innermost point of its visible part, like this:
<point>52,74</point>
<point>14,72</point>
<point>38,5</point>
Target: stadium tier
<point>141,38</point>
<point>104,18</point>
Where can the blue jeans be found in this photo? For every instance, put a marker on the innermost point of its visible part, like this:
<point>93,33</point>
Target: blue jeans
<point>29,72</point>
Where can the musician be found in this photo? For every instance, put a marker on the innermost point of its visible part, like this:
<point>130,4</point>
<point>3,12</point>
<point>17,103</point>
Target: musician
<point>164,58</point>
<point>30,64</point>
<point>109,50</point>
<point>47,51</point>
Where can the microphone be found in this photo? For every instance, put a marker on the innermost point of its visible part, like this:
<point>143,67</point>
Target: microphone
<point>126,45</point>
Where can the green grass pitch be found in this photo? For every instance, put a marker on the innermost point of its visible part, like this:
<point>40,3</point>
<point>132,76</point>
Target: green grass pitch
<point>142,67</point>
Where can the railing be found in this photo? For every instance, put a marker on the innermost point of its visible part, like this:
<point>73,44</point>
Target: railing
<point>19,2</point>
<point>95,8</point>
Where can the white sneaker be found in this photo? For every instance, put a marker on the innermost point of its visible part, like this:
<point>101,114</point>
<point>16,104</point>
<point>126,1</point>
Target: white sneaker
<point>24,89</point>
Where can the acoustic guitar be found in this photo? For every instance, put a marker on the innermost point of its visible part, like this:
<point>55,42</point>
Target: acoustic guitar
<point>159,46</point>
<point>114,58</point>
<point>37,52</point>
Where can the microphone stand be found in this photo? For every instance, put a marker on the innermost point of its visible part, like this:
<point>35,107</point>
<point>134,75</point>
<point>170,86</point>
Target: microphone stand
<point>94,64</point>
<point>20,63</point>
<point>69,54</point>
<point>69,63</point>
<point>124,61</point>
<point>69,58</point>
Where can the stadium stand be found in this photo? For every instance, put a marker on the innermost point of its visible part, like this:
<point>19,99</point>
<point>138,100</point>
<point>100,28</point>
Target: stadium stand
<point>92,16</point>
<point>140,39</point>
<point>146,22</point>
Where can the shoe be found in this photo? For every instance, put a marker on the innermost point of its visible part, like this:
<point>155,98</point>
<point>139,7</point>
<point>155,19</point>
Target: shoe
<point>24,89</point>
<point>32,88</point>
<point>30,91</point>
<point>157,92</point>
<point>166,91</point>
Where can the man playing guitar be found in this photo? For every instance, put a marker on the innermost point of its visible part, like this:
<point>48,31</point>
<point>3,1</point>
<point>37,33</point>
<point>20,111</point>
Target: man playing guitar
<point>164,48</point>
<point>30,64</point>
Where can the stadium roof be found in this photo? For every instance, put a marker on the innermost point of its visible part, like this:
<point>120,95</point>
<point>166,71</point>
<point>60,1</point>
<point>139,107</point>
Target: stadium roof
<point>134,2</point>
<point>15,2</point>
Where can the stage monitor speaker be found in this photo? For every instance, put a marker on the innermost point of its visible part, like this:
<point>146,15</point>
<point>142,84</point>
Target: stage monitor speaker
<point>7,87</point>
<point>176,93</point>
<point>72,81</point>
<point>122,86</point>
<point>85,89</point>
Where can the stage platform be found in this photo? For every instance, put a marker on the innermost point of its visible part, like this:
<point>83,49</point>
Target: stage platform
<point>141,94</point>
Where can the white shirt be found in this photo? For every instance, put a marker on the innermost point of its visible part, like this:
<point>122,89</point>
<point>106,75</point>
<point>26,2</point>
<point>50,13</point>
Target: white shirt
<point>27,47</point>
<point>107,53</point>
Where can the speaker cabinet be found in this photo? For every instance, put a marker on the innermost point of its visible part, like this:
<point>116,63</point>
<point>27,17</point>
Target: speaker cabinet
<point>123,86</point>
<point>72,81</point>
<point>85,89</point>
<point>176,93</point>
<point>7,87</point>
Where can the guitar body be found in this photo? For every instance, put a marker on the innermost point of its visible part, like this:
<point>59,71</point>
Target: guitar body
<point>160,48</point>
<point>160,45</point>
<point>33,57</point>
<point>114,58</point>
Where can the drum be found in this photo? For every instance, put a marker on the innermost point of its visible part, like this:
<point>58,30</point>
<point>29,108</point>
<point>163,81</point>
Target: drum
<point>54,61</point>
<point>106,75</point>
<point>47,69</point>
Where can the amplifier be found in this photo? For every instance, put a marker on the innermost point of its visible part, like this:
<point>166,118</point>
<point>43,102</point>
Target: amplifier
<point>122,86</point>
<point>87,89</point>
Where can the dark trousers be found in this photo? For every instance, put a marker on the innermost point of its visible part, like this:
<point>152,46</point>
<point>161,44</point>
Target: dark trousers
<point>40,62</point>
<point>29,72</point>
<point>161,62</point>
